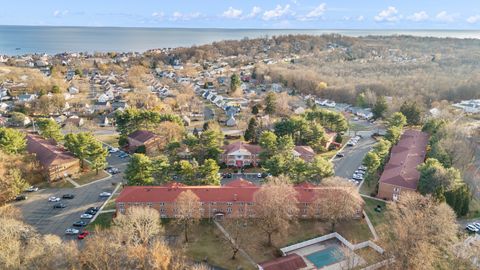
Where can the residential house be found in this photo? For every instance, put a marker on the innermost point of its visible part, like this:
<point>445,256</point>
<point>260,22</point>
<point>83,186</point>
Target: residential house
<point>56,161</point>
<point>400,173</point>
<point>235,199</point>
<point>231,122</point>
<point>469,106</point>
<point>142,138</point>
<point>102,106</point>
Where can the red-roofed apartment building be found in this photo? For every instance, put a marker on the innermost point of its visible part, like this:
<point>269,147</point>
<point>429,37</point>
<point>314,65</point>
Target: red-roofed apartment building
<point>151,141</point>
<point>56,162</point>
<point>233,199</point>
<point>241,154</point>
<point>400,173</point>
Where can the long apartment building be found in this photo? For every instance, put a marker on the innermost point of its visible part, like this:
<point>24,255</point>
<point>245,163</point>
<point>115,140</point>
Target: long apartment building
<point>400,173</point>
<point>234,199</point>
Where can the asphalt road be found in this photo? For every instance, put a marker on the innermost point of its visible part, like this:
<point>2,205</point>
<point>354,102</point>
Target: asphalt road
<point>38,211</point>
<point>346,166</point>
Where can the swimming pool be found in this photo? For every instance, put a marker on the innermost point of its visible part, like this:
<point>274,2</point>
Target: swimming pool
<point>326,257</point>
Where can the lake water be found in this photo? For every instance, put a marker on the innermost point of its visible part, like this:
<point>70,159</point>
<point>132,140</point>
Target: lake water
<point>17,40</point>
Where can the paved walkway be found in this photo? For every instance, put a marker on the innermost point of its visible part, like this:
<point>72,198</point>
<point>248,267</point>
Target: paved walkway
<point>73,182</point>
<point>233,241</point>
<point>370,226</point>
<point>105,203</point>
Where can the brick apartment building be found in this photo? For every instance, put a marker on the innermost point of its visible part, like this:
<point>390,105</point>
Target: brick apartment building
<point>400,173</point>
<point>56,161</point>
<point>142,138</point>
<point>234,199</point>
<point>240,154</point>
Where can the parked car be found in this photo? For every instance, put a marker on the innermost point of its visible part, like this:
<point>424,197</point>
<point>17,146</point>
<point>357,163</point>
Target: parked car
<point>105,194</point>
<point>68,196</point>
<point>360,172</point>
<point>86,216</point>
<point>79,223</point>
<point>53,199</point>
<point>340,155</point>
<point>113,150</point>
<point>363,168</point>
<point>471,228</point>
<point>358,177</point>
<point>113,170</point>
<point>59,205</point>
<point>21,198</point>
<point>96,209</point>
<point>259,175</point>
<point>71,231</point>
<point>91,212</point>
<point>32,189</point>
<point>83,235</point>
<point>477,225</point>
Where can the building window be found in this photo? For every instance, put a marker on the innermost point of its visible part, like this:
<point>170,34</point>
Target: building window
<point>229,203</point>
<point>229,210</point>
<point>396,190</point>
<point>149,204</point>
<point>162,204</point>
<point>162,210</point>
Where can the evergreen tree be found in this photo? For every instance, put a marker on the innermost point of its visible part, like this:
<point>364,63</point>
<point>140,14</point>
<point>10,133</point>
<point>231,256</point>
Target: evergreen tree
<point>270,103</point>
<point>139,170</point>
<point>12,141</point>
<point>412,112</point>
<point>251,134</point>
<point>379,108</point>
<point>49,129</point>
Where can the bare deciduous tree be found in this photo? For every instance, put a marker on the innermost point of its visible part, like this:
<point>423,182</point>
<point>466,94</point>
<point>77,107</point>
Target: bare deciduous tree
<point>275,207</point>
<point>419,232</point>
<point>341,202</point>
<point>139,225</point>
<point>188,210</point>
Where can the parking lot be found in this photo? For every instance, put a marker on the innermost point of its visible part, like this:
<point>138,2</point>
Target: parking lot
<point>353,156</point>
<point>39,212</point>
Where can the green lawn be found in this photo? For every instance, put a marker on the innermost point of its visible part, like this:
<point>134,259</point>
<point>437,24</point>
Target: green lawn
<point>375,217</point>
<point>328,155</point>
<point>369,189</point>
<point>57,184</point>
<point>110,139</point>
<point>90,176</point>
<point>206,242</point>
<point>111,203</point>
<point>103,220</point>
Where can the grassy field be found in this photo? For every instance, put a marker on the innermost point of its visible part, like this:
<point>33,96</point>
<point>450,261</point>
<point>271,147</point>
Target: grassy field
<point>57,184</point>
<point>90,176</point>
<point>104,220</point>
<point>328,155</point>
<point>375,217</point>
<point>206,243</point>
<point>110,139</point>
<point>369,189</point>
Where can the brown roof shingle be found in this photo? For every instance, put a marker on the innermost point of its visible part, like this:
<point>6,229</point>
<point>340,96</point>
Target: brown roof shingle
<point>142,135</point>
<point>47,152</point>
<point>401,169</point>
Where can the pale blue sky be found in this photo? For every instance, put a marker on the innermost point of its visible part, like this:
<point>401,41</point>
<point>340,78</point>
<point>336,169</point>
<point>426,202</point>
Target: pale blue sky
<point>328,14</point>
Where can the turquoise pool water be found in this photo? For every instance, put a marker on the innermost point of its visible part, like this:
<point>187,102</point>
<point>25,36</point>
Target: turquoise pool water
<point>326,257</point>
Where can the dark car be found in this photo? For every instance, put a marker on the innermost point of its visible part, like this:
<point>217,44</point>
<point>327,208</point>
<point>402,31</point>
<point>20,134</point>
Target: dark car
<point>68,196</point>
<point>340,155</point>
<point>59,205</point>
<point>92,210</point>
<point>80,223</point>
<point>20,198</point>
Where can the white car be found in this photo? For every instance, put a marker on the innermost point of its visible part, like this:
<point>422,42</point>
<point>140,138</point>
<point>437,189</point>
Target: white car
<point>71,231</point>
<point>105,194</point>
<point>476,225</point>
<point>53,199</point>
<point>363,168</point>
<point>32,189</point>
<point>357,177</point>
<point>87,216</point>
<point>360,172</point>
<point>113,150</point>
<point>471,228</point>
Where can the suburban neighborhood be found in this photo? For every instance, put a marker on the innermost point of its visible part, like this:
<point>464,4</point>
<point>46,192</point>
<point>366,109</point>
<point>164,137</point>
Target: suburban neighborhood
<point>224,163</point>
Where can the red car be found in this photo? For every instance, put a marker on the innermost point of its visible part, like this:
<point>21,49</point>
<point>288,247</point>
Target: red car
<point>83,235</point>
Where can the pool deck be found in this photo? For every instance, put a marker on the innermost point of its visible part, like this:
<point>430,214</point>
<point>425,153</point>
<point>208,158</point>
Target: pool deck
<point>304,251</point>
